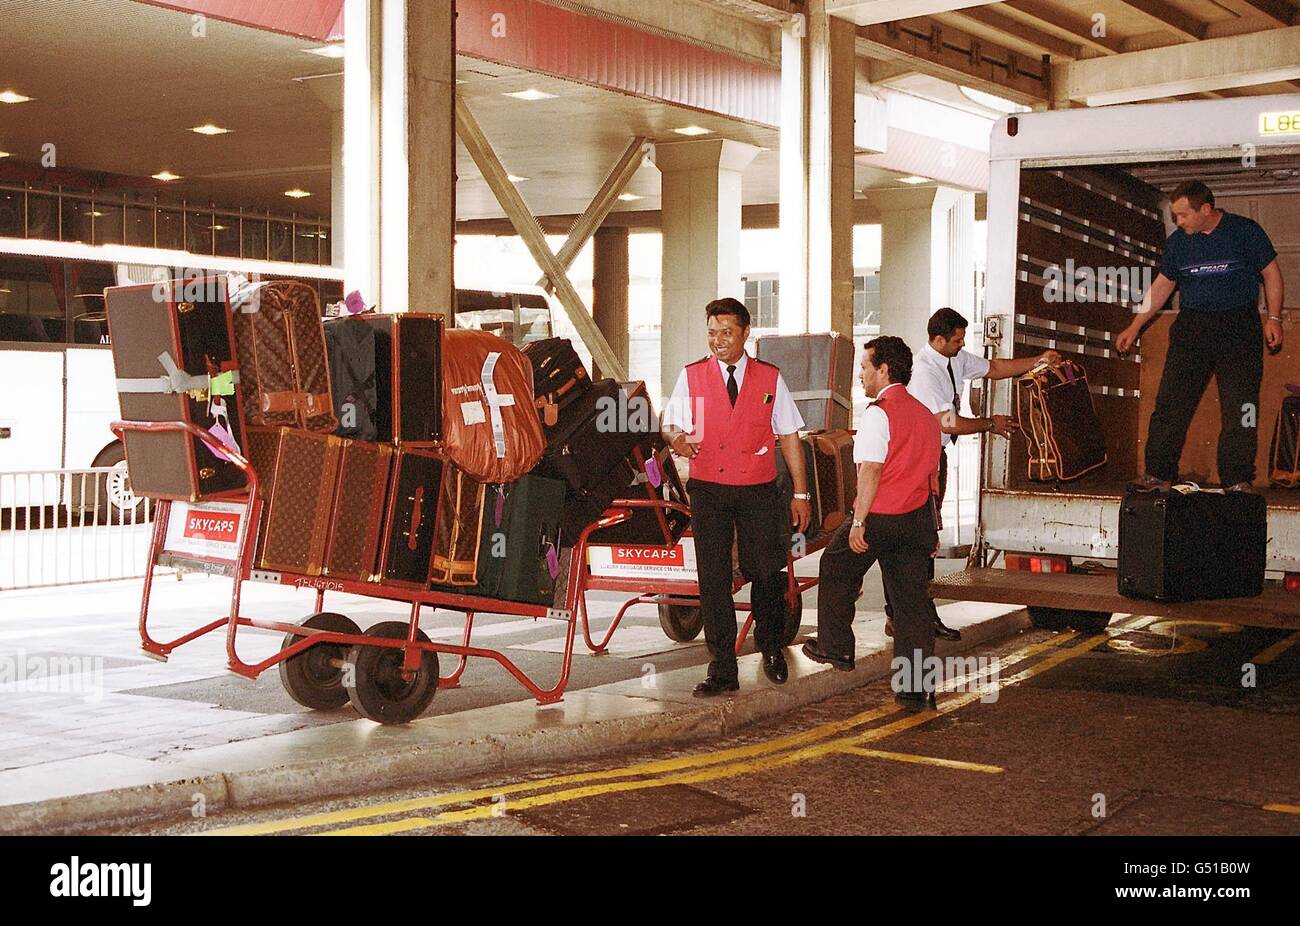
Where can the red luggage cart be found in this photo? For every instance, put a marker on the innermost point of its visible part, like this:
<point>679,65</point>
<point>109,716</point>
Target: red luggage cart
<point>390,671</point>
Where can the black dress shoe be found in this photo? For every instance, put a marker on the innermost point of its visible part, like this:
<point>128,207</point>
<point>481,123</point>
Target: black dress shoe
<point>774,667</point>
<point>931,701</point>
<point>912,704</point>
<point>814,652</point>
<point>712,687</point>
<point>943,632</point>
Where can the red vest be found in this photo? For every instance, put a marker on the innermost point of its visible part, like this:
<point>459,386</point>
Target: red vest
<point>737,446</point>
<point>911,466</point>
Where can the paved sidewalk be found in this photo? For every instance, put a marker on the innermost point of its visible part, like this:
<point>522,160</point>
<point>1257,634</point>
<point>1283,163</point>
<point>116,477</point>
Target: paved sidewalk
<point>93,732</point>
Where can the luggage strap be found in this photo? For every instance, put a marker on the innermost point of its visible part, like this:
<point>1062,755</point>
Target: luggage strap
<point>173,382</point>
<point>495,403</point>
<point>822,394</point>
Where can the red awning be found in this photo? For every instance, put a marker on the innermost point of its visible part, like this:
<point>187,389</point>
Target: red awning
<point>321,20</point>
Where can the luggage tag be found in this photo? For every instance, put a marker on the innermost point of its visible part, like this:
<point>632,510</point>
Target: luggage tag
<point>653,472</point>
<point>220,428</point>
<point>499,512</point>
<point>552,561</point>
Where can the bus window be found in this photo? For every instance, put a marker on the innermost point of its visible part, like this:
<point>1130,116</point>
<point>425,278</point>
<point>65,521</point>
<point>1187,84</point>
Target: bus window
<point>31,300</point>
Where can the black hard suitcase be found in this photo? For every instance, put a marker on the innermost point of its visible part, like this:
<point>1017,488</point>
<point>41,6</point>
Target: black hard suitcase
<point>519,550</point>
<point>593,435</point>
<point>408,377</point>
<point>1177,545</point>
<point>559,378</point>
<point>411,519</point>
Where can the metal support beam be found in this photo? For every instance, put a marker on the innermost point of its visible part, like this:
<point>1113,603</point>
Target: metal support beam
<point>601,204</point>
<point>527,227</point>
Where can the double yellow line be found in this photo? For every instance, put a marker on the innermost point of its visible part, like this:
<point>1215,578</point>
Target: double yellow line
<point>815,743</point>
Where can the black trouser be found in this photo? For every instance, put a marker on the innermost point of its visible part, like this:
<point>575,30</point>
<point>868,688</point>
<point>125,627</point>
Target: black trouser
<point>755,519</point>
<point>1230,347</point>
<point>938,507</point>
<point>902,544</point>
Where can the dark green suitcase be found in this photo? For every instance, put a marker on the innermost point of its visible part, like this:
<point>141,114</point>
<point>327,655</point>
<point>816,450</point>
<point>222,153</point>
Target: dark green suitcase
<point>519,553</point>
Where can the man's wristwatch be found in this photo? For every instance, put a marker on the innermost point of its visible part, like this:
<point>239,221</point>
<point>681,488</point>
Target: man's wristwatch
<point>857,523</point>
<point>1275,318</point>
<point>803,496</point>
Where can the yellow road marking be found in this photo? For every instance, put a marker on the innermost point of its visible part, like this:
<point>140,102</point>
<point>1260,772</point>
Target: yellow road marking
<point>1282,808</point>
<point>653,767</point>
<point>1277,649</point>
<point>922,760</point>
<point>716,772</point>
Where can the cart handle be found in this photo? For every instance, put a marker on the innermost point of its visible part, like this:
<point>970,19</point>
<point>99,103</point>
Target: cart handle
<point>203,434</point>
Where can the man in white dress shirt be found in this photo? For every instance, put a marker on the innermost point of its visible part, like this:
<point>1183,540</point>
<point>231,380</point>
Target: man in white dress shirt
<point>939,373</point>
<point>725,415</point>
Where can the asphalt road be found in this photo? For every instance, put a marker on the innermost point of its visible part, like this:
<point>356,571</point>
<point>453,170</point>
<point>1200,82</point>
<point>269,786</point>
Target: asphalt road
<point>1152,728</point>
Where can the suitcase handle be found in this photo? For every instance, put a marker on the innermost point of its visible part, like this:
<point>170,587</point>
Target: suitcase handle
<point>417,512</point>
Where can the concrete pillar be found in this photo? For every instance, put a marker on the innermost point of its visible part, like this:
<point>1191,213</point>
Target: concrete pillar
<point>700,220</point>
<point>418,165</point>
<point>832,78</point>
<point>609,286</point>
<point>336,189</point>
<point>916,275</point>
<point>360,148</point>
<point>793,194</point>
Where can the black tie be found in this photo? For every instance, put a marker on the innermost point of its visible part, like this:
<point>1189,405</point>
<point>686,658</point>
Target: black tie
<point>956,398</point>
<point>732,389</point>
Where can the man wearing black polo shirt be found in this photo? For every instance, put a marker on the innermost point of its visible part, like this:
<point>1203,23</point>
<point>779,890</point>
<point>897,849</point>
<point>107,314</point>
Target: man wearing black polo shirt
<point>1216,260</point>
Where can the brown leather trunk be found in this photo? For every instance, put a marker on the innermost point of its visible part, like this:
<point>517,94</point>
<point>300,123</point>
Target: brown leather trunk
<point>1055,412</point>
<point>410,518</point>
<point>818,371</point>
<point>283,362</point>
<point>490,426</point>
<point>297,517</point>
<point>834,476</point>
<point>167,340</point>
<point>356,531</point>
<point>458,530</point>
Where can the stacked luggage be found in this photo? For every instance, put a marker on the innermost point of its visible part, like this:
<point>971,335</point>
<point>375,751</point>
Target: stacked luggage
<point>1054,409</point>
<point>387,449</point>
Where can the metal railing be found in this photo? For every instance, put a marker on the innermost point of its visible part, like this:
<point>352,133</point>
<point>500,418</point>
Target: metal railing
<point>65,526</point>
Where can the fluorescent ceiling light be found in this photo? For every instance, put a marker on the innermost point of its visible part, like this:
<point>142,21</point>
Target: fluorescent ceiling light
<point>334,50</point>
<point>296,193</point>
<point>165,176</point>
<point>209,129</point>
<point>531,95</point>
<point>629,197</point>
<point>691,130</point>
<point>218,228</point>
<point>515,178</point>
<point>10,96</point>
<point>913,179</point>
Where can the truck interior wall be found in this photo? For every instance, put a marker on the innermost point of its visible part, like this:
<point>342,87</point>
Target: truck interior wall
<point>1279,214</point>
<point>1100,218</point>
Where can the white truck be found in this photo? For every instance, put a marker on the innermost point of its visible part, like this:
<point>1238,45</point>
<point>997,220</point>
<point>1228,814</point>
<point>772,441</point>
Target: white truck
<point>1078,213</point>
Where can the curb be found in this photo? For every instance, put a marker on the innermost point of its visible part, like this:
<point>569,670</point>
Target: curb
<point>406,765</point>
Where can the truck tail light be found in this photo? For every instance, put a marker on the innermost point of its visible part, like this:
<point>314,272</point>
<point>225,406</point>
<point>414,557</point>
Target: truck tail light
<point>1291,581</point>
<point>1025,562</point>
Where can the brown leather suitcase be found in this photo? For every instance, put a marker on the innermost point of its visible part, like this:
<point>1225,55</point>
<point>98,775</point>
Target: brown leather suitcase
<point>410,518</point>
<point>559,376</point>
<point>1055,411</point>
<point>356,529</point>
<point>834,476</point>
<point>490,427</point>
<point>785,485</point>
<point>168,339</point>
<point>408,377</point>
<point>297,516</point>
<point>283,363</point>
<point>1284,450</point>
<point>458,529</point>
<point>818,371</point>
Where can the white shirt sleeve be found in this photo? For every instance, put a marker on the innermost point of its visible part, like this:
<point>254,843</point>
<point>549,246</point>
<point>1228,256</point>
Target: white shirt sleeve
<point>871,443</point>
<point>678,410</point>
<point>970,366</point>
<point>931,387</point>
<point>785,414</point>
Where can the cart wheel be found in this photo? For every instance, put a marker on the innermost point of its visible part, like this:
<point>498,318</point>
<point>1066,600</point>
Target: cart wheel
<point>375,684</point>
<point>1049,618</point>
<point>682,623</point>
<point>793,620</point>
<point>1088,621</point>
<point>314,677</point>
